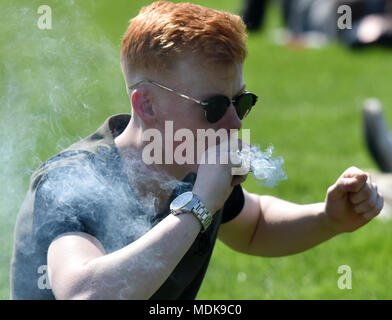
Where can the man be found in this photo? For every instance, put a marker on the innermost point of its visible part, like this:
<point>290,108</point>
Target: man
<point>97,218</point>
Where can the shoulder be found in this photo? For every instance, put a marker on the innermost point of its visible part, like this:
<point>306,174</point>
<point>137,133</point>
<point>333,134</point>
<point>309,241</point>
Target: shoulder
<point>66,161</point>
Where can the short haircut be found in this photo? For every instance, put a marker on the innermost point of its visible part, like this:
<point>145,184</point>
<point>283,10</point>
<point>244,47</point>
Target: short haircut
<point>163,32</point>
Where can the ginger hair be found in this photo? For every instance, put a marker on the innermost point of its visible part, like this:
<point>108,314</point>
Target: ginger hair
<point>163,32</point>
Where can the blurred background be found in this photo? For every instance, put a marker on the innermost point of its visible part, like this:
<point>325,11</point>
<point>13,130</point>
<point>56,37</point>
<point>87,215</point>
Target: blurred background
<point>58,85</point>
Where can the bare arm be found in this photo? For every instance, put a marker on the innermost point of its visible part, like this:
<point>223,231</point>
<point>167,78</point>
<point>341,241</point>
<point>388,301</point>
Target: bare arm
<point>268,226</point>
<point>272,227</point>
<point>79,268</point>
<point>287,228</point>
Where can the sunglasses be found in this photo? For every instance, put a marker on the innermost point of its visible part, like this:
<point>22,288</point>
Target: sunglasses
<point>215,107</point>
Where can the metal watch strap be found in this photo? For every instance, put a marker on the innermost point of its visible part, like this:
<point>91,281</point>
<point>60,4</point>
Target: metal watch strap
<point>194,206</point>
<point>201,212</point>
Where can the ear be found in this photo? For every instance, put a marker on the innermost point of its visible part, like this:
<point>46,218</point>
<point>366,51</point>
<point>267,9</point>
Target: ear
<point>142,105</point>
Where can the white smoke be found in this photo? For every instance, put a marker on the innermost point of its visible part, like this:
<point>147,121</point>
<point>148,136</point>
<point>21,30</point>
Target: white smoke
<point>51,82</point>
<point>265,167</point>
<point>54,86</point>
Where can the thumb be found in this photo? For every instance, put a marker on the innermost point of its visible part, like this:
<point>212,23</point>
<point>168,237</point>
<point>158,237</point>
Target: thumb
<point>352,182</point>
<point>355,183</point>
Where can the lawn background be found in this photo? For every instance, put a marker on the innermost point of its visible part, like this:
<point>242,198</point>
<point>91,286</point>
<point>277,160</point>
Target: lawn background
<point>59,85</point>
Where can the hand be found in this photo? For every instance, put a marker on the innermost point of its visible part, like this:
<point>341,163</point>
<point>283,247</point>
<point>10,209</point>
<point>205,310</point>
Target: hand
<point>215,182</point>
<point>352,201</point>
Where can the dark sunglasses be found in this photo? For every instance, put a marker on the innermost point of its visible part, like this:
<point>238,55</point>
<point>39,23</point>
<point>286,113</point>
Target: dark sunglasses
<point>216,106</point>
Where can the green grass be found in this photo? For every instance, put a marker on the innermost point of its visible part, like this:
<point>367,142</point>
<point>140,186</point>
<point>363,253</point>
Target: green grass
<point>309,275</point>
<point>58,85</point>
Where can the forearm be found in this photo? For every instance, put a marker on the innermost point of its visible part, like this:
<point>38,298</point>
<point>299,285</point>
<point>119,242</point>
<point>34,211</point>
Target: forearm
<point>286,228</point>
<point>138,270</point>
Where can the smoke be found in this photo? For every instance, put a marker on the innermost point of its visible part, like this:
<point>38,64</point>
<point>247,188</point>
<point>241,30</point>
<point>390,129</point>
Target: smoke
<point>54,85</point>
<point>266,168</point>
<point>98,194</point>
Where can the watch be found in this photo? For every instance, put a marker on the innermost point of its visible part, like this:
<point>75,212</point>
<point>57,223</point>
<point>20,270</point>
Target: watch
<point>188,202</point>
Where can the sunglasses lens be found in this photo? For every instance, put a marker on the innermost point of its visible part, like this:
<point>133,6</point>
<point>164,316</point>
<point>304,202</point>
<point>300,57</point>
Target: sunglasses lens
<point>244,103</point>
<point>216,108</point>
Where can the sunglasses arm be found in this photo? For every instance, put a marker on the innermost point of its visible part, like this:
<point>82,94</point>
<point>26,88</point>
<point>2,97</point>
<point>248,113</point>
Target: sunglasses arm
<point>167,89</point>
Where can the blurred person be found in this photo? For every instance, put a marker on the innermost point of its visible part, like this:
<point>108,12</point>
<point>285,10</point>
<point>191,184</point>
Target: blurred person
<point>378,139</point>
<point>377,134</point>
<point>315,22</point>
<point>253,12</point>
<point>372,23</point>
<point>299,16</point>
<point>181,63</point>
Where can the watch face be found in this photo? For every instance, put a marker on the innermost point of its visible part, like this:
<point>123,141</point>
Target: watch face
<point>181,201</point>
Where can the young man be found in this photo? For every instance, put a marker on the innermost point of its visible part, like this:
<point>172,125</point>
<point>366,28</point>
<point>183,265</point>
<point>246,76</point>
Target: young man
<point>97,217</point>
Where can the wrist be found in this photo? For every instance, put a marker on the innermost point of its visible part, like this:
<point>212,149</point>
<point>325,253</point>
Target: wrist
<point>327,223</point>
<point>206,200</point>
<point>189,202</point>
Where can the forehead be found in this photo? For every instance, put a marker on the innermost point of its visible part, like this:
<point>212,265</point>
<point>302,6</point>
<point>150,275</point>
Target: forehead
<point>209,78</point>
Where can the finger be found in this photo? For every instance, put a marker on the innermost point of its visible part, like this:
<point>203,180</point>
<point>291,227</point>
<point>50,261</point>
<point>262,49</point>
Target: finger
<point>376,210</point>
<point>368,204</point>
<point>352,172</point>
<point>352,183</point>
<point>366,192</point>
<point>235,159</point>
<point>346,185</point>
<point>240,163</point>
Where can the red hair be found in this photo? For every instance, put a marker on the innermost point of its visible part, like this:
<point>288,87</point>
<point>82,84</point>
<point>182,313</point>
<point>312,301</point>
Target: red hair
<point>163,32</point>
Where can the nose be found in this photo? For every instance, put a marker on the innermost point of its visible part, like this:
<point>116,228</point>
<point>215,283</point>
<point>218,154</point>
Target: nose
<point>230,119</point>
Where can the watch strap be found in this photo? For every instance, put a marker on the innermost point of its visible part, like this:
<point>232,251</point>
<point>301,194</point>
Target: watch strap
<point>198,209</point>
<point>201,213</point>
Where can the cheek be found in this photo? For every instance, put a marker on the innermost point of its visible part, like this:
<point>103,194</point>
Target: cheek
<point>191,119</point>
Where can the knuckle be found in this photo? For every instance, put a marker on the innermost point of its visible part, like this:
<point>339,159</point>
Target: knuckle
<point>368,192</point>
<point>380,204</point>
<point>365,206</point>
<point>371,206</point>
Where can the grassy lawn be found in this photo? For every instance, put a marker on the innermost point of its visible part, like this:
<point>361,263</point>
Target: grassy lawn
<point>59,85</point>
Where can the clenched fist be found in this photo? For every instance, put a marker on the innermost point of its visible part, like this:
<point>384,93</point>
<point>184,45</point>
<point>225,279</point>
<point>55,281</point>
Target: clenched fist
<point>352,201</point>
